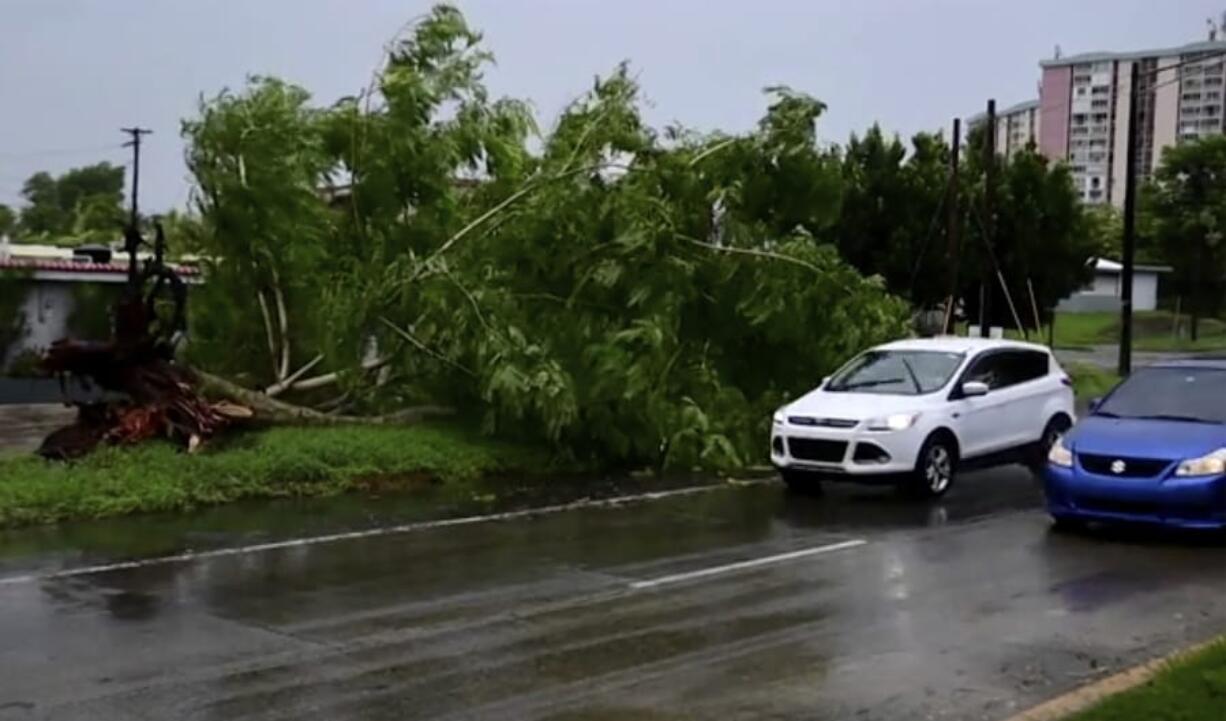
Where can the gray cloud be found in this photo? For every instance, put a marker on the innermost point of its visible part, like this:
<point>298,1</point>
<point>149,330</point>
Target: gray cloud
<point>73,71</point>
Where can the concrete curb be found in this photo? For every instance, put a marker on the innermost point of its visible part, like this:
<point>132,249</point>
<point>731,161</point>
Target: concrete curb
<point>1083,698</point>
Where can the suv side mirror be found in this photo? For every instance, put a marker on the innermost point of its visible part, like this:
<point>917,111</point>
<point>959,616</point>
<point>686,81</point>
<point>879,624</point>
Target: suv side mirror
<point>1095,403</point>
<point>974,389</point>
<point>824,382</point>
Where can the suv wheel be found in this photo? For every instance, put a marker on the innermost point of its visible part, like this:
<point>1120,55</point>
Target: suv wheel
<point>934,469</point>
<point>1056,427</point>
<point>801,482</point>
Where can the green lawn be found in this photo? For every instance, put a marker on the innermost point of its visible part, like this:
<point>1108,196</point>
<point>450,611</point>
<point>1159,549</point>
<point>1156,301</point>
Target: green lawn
<point>1090,381</point>
<point>1152,331</point>
<point>278,462</point>
<point>1192,689</point>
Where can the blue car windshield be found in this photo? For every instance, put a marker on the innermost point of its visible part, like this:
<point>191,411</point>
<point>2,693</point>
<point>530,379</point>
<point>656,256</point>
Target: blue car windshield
<point>888,372</point>
<point>1180,394</point>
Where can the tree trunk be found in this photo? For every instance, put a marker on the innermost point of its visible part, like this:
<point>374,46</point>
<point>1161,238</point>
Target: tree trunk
<point>271,411</point>
<point>1194,325</point>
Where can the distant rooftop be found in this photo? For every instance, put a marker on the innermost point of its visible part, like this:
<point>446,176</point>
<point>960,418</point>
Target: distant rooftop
<point>1011,110</point>
<point>1199,47</point>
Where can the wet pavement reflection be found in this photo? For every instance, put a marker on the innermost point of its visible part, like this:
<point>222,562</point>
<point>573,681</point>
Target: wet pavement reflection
<point>969,607</point>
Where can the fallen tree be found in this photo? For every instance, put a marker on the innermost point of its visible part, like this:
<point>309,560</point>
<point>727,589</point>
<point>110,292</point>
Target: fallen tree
<point>631,296</point>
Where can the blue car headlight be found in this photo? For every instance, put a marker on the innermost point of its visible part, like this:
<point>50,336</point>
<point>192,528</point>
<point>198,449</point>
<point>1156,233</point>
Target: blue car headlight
<point>1213,464</point>
<point>1060,455</point>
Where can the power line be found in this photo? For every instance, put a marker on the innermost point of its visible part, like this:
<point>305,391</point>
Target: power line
<point>135,133</point>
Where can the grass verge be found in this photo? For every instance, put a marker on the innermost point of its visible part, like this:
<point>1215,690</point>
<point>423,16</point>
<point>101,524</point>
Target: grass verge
<point>1189,689</point>
<point>280,462</point>
<point>1152,331</point>
<point>1090,381</point>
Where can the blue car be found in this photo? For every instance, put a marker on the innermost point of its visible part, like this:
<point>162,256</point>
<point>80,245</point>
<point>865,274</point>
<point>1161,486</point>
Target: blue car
<point>1151,451</point>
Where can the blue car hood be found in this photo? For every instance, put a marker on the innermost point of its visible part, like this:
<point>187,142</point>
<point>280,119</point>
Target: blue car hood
<point>1130,438</point>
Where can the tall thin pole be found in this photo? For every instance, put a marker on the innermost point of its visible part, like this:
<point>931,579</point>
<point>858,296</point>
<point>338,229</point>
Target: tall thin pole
<point>1130,227</point>
<point>951,226</point>
<point>136,134</point>
<point>989,202</point>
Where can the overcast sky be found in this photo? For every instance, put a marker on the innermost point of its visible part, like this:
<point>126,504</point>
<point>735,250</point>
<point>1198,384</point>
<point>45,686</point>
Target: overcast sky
<point>73,71</point>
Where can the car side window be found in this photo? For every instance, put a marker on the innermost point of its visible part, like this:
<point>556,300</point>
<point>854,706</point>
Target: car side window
<point>1022,366</point>
<point>990,370</point>
<point>1032,365</point>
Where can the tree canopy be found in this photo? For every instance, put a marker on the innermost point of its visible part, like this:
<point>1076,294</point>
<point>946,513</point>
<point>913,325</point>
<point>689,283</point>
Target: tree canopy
<point>1185,206</point>
<point>629,294</point>
<point>8,220</point>
<point>82,205</point>
<point>1040,236</point>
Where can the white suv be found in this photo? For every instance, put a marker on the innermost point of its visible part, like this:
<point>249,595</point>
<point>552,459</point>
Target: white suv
<point>914,411</point>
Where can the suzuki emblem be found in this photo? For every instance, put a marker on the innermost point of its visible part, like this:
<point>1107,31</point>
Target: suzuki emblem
<point>1118,467</point>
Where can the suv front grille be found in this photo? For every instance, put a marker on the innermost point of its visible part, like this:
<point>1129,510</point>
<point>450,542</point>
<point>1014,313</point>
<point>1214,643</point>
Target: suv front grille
<point>822,422</point>
<point>1132,467</point>
<point>817,450</point>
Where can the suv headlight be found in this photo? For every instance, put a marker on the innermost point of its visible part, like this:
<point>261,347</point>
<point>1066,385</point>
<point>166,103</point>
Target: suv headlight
<point>1060,455</point>
<point>896,422</point>
<point>1213,464</point>
<point>778,419</point>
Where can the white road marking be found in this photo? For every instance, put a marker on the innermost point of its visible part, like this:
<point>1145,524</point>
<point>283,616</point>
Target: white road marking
<point>191,556</point>
<point>743,565</point>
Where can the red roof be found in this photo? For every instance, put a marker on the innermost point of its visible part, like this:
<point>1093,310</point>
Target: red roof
<point>72,266</point>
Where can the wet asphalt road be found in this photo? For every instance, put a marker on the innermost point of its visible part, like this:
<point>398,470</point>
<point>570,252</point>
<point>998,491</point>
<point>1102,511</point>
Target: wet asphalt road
<point>964,609</point>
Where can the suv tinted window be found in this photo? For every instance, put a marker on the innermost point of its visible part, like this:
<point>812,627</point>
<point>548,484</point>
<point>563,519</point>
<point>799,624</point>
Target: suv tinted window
<point>1027,365</point>
<point>1001,369</point>
<point>989,369</point>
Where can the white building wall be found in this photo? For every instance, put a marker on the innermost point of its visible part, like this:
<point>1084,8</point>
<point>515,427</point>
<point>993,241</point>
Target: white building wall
<point>1166,109</point>
<point>1119,132</point>
<point>1145,291</point>
<point>47,308</point>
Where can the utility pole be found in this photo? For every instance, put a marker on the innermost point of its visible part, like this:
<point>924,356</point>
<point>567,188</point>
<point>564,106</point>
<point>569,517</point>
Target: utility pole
<point>951,227</point>
<point>1130,228</point>
<point>989,203</point>
<point>132,235</point>
<point>134,143</point>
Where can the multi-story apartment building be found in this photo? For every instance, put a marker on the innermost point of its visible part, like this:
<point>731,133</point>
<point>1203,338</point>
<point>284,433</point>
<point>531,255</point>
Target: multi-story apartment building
<point>1084,110</point>
<point>1016,126</point>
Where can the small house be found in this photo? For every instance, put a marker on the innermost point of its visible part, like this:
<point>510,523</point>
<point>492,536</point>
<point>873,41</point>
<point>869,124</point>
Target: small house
<point>48,293</point>
<point>1103,292</point>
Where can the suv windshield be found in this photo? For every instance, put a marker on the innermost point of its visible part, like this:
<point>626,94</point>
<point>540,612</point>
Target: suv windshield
<point>891,372</point>
<point>1189,394</point>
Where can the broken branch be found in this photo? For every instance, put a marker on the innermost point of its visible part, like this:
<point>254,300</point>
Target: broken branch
<point>284,385</point>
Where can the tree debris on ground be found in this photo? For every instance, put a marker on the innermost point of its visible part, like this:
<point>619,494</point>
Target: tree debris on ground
<point>146,394</point>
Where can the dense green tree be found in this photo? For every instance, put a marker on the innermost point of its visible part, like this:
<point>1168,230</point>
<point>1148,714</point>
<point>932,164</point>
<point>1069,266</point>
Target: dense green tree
<point>631,295</point>
<point>1043,236</point>
<point>82,205</point>
<point>42,214</point>
<point>8,220</point>
<point>893,220</point>
<point>1186,203</point>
